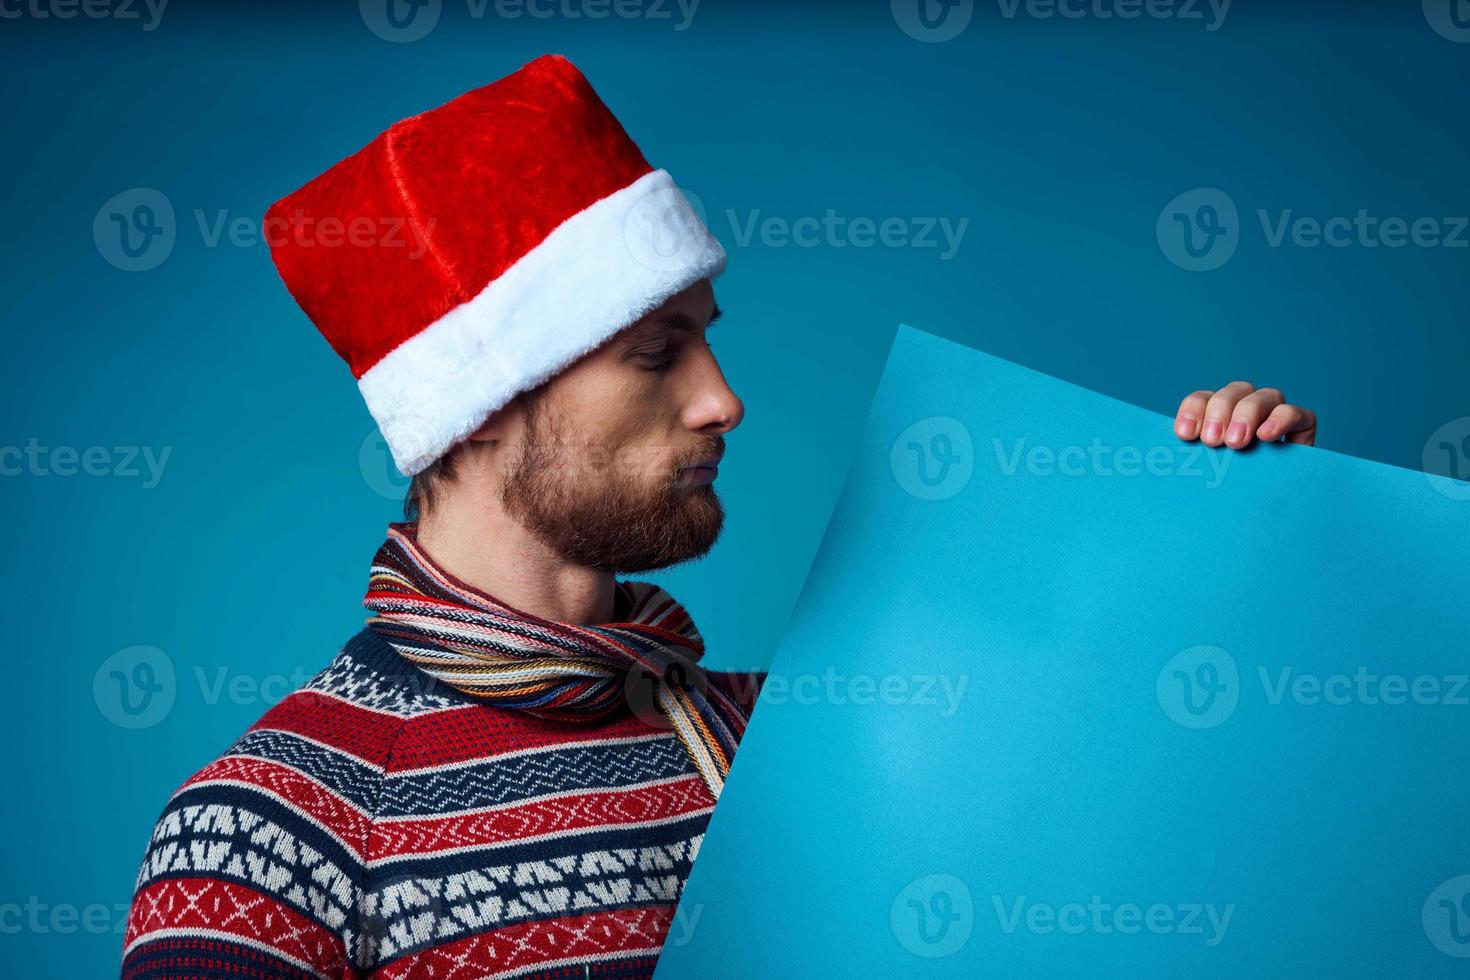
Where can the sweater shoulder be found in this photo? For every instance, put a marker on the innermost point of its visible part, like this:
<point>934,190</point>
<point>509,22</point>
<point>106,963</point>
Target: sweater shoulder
<point>368,673</point>
<point>282,820</point>
<point>340,729</point>
<point>326,747</point>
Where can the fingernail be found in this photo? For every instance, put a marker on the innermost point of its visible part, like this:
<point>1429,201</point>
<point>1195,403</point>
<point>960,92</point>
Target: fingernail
<point>1267,431</point>
<point>1212,429</point>
<point>1185,426</point>
<point>1236,433</point>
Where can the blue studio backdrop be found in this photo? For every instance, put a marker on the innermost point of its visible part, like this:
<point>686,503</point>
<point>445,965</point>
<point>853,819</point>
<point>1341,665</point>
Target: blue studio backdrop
<point>1143,205</point>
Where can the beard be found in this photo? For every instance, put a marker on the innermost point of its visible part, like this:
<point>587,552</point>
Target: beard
<point>599,514</point>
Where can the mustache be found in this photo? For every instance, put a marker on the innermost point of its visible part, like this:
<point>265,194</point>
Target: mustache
<point>714,447</point>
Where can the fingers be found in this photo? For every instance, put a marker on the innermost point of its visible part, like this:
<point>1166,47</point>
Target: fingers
<point>1248,415</point>
<point>1191,412</point>
<point>1239,413</point>
<point>1219,409</point>
<point>1296,424</point>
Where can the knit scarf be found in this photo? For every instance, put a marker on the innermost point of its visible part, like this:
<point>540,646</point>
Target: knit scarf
<point>497,654</point>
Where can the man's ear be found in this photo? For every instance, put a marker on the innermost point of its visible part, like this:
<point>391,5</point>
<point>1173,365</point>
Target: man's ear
<point>501,422</point>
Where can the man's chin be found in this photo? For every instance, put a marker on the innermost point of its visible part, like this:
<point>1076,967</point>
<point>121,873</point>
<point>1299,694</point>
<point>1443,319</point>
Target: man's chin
<point>685,532</point>
<point>613,530</point>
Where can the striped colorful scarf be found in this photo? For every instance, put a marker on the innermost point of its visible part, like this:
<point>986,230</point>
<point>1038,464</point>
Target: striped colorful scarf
<point>479,645</point>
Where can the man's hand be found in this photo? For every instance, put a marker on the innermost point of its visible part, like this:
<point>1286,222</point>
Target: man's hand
<point>1240,412</point>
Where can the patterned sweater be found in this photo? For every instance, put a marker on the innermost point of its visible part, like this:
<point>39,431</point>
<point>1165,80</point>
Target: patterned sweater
<point>377,824</point>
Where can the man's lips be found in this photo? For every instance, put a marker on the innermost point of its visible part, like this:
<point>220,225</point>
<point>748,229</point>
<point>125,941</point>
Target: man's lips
<point>702,471</point>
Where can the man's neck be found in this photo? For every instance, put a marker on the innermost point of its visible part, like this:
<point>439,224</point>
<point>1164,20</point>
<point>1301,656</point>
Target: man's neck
<point>495,554</point>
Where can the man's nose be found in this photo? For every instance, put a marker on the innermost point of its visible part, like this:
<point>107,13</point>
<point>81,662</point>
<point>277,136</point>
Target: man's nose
<point>715,408</point>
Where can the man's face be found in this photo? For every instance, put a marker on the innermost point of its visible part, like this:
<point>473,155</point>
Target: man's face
<point>606,471</point>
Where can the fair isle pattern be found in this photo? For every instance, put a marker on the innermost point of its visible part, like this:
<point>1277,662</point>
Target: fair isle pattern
<point>372,824</point>
<point>407,692</point>
<point>492,651</point>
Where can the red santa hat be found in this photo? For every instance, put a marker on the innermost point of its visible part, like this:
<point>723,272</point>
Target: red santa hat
<point>472,252</point>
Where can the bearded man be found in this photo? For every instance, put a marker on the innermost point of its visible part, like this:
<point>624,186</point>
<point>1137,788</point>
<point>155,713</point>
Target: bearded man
<point>509,770</point>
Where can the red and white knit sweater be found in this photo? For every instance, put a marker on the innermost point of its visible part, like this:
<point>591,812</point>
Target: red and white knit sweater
<point>376,823</point>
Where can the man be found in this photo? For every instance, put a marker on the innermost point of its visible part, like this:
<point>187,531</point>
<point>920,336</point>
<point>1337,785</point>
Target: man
<point>509,770</point>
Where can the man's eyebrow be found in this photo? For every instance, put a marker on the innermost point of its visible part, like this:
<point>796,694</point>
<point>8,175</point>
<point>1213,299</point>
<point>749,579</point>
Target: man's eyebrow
<point>676,320</point>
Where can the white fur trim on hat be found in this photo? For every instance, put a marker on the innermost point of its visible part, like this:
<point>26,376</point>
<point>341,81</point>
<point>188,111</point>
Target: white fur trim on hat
<point>599,271</point>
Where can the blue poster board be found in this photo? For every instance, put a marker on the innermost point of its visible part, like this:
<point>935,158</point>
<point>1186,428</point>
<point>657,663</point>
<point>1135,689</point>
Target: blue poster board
<point>1064,696</point>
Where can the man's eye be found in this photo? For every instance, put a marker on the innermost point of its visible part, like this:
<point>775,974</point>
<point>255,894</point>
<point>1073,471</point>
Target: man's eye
<point>657,360</point>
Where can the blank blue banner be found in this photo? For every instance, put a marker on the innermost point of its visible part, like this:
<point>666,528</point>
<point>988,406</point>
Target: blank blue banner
<point>1064,696</point>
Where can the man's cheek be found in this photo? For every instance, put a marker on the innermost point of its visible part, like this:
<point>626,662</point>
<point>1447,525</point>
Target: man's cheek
<point>640,465</point>
<point>590,461</point>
